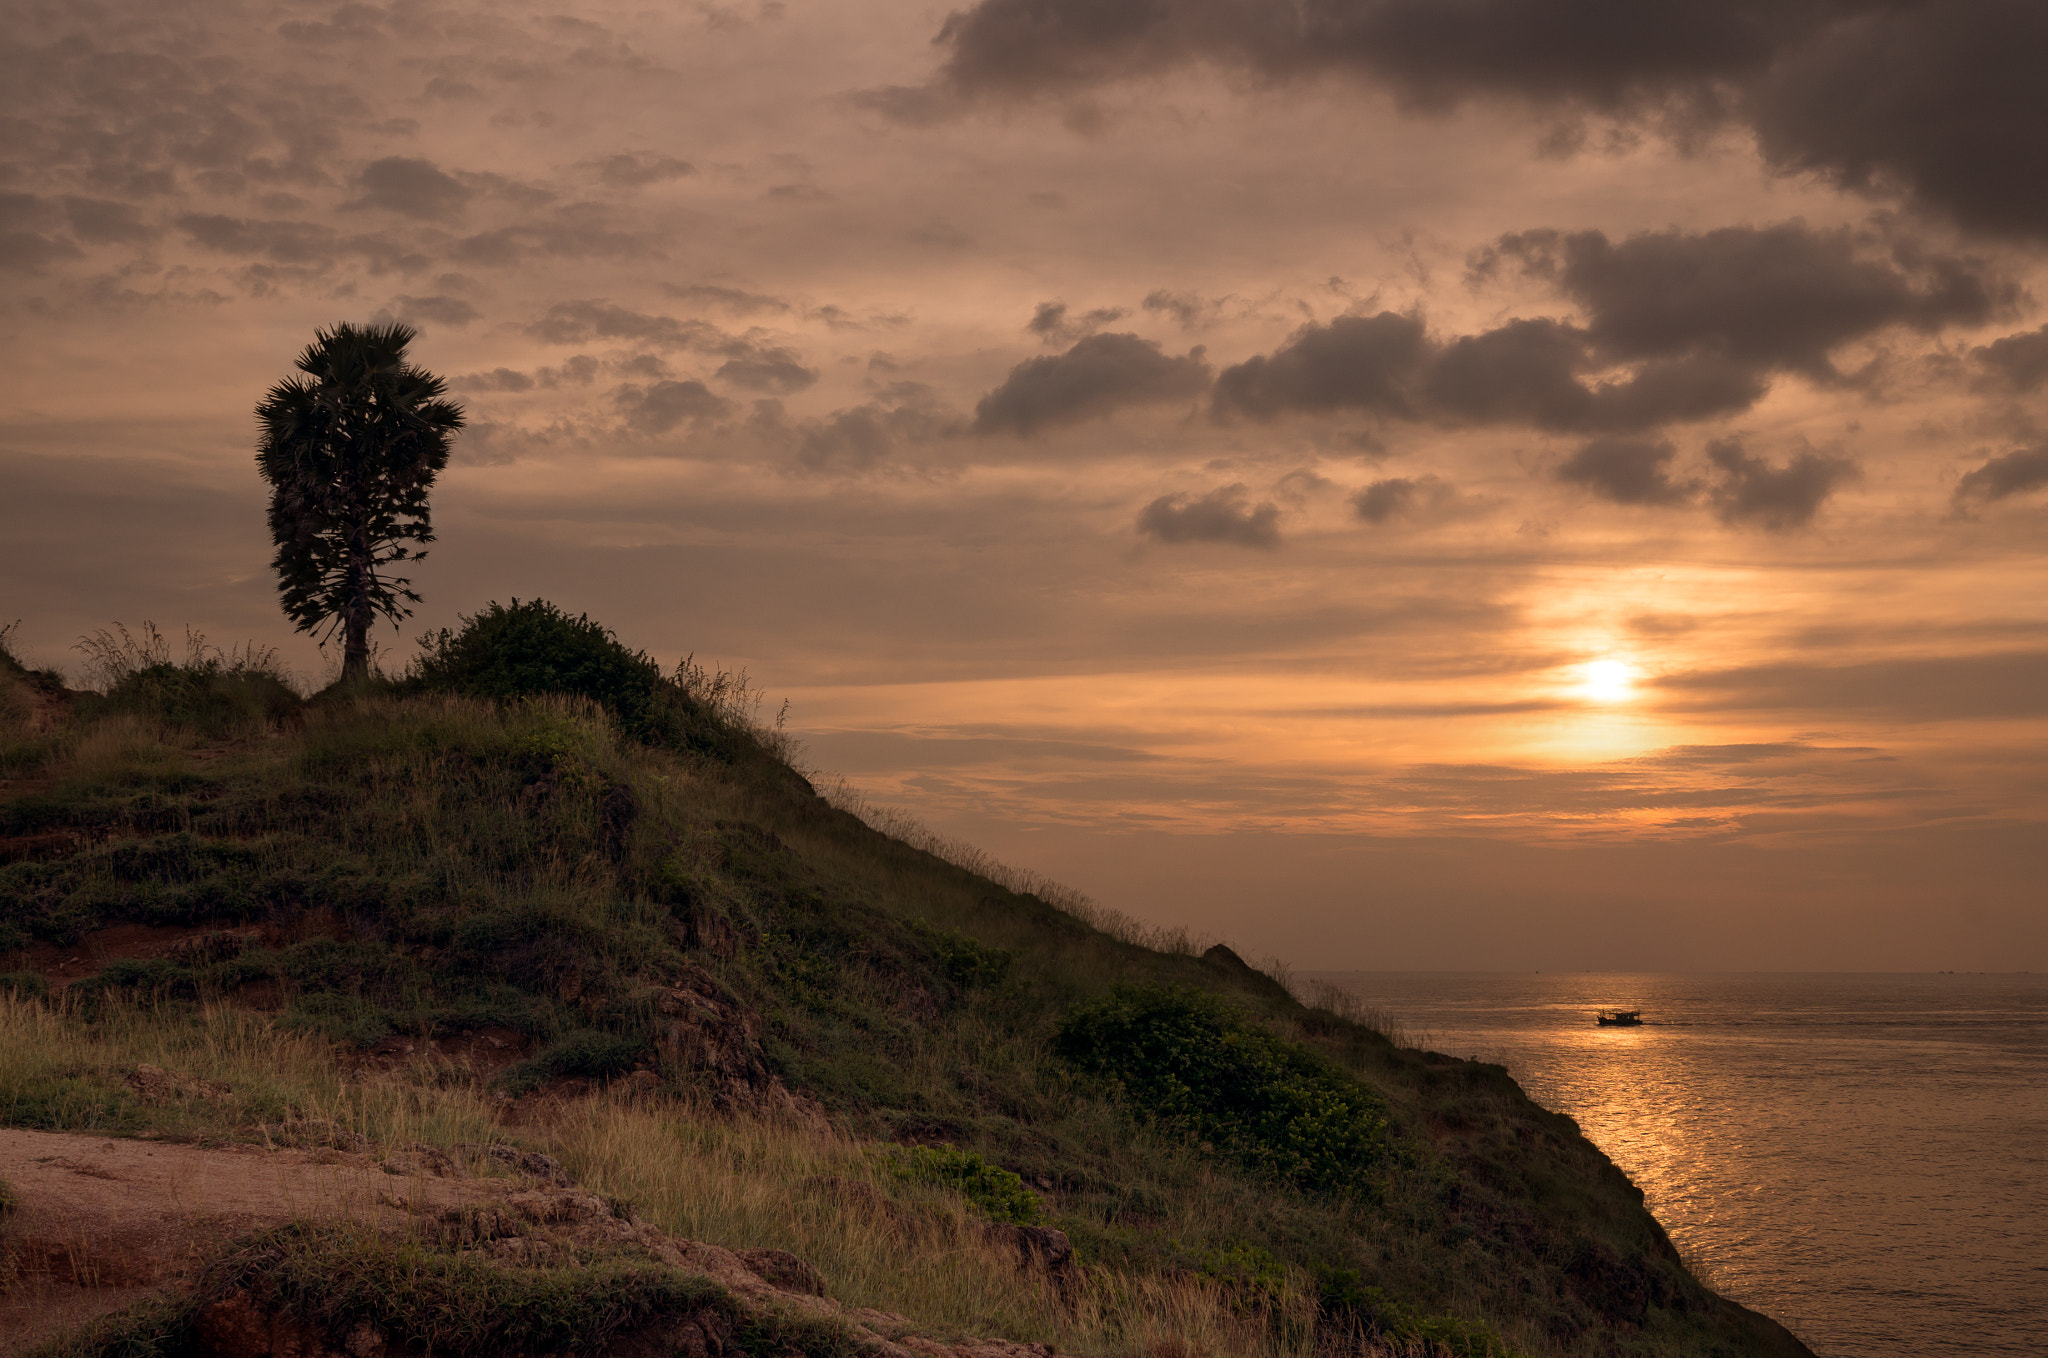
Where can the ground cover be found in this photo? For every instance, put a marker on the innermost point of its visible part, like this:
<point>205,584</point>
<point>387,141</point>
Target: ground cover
<point>477,907</point>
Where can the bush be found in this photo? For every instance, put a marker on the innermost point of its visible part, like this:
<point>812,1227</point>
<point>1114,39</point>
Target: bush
<point>1202,1067</point>
<point>990,1189</point>
<point>534,648</point>
<point>588,1054</point>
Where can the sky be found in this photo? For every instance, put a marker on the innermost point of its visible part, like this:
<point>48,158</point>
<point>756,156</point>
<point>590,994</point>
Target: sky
<point>1386,483</point>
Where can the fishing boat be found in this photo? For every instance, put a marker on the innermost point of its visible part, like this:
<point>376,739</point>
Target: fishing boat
<point>1621,1018</point>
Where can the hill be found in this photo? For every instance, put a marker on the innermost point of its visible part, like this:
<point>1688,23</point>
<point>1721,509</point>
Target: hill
<point>541,898</point>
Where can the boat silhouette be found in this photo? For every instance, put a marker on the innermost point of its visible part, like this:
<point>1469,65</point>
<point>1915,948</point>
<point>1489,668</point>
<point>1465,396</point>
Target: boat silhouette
<point>1621,1018</point>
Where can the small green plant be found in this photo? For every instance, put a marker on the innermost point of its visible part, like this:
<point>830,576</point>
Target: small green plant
<point>990,1189</point>
<point>586,1055</point>
<point>1201,1066</point>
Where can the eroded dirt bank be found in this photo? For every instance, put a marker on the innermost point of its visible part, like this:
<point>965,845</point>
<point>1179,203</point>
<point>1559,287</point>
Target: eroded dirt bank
<point>101,1223</point>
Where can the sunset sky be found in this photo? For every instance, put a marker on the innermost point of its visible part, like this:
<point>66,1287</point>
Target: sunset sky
<point>1388,483</point>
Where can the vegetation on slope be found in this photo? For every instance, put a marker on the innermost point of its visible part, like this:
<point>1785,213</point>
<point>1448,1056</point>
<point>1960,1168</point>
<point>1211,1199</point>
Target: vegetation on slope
<point>782,1028</point>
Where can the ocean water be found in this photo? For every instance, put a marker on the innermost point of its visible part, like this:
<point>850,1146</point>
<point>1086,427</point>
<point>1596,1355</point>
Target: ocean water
<point>1863,1158</point>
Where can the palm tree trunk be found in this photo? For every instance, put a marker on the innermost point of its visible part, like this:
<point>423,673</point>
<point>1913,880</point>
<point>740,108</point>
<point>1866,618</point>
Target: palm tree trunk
<point>355,647</point>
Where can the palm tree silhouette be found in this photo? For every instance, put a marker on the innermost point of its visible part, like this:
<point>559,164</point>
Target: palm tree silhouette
<point>350,451</point>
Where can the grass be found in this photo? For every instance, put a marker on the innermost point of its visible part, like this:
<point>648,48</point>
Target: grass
<point>428,863</point>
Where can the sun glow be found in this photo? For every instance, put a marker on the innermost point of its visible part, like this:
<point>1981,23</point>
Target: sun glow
<point>1607,681</point>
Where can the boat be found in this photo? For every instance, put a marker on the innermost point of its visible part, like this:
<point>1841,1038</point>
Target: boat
<point>1621,1018</point>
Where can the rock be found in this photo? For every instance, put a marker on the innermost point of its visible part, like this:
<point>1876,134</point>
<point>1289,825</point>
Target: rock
<point>780,1268</point>
<point>532,1164</point>
<point>154,1084</point>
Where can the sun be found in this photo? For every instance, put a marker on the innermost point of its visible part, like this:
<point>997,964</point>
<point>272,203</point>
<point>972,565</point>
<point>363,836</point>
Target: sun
<point>1607,681</point>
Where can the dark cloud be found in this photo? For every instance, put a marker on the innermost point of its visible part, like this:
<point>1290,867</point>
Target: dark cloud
<point>768,369</point>
<point>1100,374</point>
<point>287,242</point>
<point>661,407</point>
<point>1933,103</point>
<point>584,321</point>
<point>2017,361</point>
<point>1190,309</point>
<point>102,222</point>
<point>1524,372</point>
<point>1678,327</point>
<point>1942,104</point>
<point>1352,363</point>
<point>736,300</point>
<point>1946,688</point>
<point>412,187</point>
<point>866,437</point>
<point>497,379</point>
<point>438,310</point>
<point>1626,471</point>
<point>24,221</point>
<point>1773,297</point>
<point>2013,473</point>
<point>637,171</point>
<point>1402,497</point>
<point>1051,322</point>
<point>1223,515</point>
<point>1752,491</point>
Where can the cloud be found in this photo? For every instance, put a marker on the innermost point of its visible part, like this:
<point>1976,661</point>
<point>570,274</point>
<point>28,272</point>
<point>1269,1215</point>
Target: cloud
<point>24,218</point>
<point>439,310</point>
<point>768,369</point>
<point>1190,309</point>
<point>1223,515</point>
<point>1752,491</point>
<point>1678,327</point>
<point>661,407</point>
<point>1402,497</point>
<point>1099,375</point>
<point>1939,104</point>
<point>1945,688</point>
<point>2014,473</point>
<point>1051,323</point>
<point>2016,361</point>
<point>641,169</point>
<point>1626,471</point>
<point>412,187</point>
<point>584,321</point>
<point>1777,297</point>
<point>1352,363</point>
<point>736,300</point>
<point>102,222</point>
<point>876,434</point>
<point>497,379</point>
<point>1934,104</point>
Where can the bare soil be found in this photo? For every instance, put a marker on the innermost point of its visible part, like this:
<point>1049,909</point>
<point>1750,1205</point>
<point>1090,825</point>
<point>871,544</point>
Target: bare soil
<point>101,1224</point>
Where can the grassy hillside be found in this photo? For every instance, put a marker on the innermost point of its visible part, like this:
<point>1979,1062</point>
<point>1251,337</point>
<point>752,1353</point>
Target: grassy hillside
<point>478,905</point>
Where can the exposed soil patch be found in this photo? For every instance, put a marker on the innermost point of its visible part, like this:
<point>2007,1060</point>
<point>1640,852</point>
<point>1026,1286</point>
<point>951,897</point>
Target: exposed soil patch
<point>102,1222</point>
<point>482,1050</point>
<point>61,965</point>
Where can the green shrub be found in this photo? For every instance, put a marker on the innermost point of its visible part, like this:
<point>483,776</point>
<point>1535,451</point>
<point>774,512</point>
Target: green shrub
<point>1344,1297</point>
<point>1199,1065</point>
<point>586,1054</point>
<point>534,648</point>
<point>23,985</point>
<point>990,1189</point>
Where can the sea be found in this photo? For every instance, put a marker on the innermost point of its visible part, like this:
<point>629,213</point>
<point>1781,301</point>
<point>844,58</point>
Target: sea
<point>1862,1157</point>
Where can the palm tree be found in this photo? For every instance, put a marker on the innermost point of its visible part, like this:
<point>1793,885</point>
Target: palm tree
<point>350,451</point>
